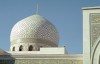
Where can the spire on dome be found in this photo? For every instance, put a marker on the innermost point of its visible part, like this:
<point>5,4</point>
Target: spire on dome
<point>37,9</point>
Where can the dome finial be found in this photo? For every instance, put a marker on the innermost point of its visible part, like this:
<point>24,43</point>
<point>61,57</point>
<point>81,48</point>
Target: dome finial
<point>37,9</point>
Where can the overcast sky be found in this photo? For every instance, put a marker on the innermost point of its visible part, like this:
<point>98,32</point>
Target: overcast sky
<point>66,15</point>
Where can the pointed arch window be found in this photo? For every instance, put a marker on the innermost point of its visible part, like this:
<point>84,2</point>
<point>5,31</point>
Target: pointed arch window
<point>21,48</point>
<point>13,49</point>
<point>30,48</point>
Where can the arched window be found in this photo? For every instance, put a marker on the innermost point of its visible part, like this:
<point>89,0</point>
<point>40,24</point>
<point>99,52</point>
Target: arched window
<point>21,48</point>
<point>13,49</point>
<point>30,48</point>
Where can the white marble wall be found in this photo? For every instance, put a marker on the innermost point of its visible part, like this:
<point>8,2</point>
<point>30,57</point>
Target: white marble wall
<point>87,53</point>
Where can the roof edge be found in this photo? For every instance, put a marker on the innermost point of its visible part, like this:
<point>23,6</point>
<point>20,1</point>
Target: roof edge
<point>91,8</point>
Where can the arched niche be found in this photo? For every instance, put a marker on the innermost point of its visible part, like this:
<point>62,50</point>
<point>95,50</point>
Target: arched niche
<point>13,49</point>
<point>21,48</point>
<point>95,58</point>
<point>30,48</point>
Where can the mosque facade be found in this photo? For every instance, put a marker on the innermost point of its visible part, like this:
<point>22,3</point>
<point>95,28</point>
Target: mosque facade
<point>34,40</point>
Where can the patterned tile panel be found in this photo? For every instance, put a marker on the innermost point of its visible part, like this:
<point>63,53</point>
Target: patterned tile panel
<point>35,26</point>
<point>94,27</point>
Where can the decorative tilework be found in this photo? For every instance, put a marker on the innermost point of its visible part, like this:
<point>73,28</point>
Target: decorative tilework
<point>36,27</point>
<point>94,27</point>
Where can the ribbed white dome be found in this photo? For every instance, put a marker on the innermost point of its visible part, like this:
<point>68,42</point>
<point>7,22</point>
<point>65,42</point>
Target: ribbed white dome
<point>35,27</point>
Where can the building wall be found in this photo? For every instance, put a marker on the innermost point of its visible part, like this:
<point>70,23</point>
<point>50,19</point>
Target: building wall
<point>26,46</point>
<point>91,33</point>
<point>41,61</point>
<point>44,50</point>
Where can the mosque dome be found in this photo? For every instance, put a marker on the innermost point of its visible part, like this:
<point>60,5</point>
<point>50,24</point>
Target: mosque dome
<point>34,29</point>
